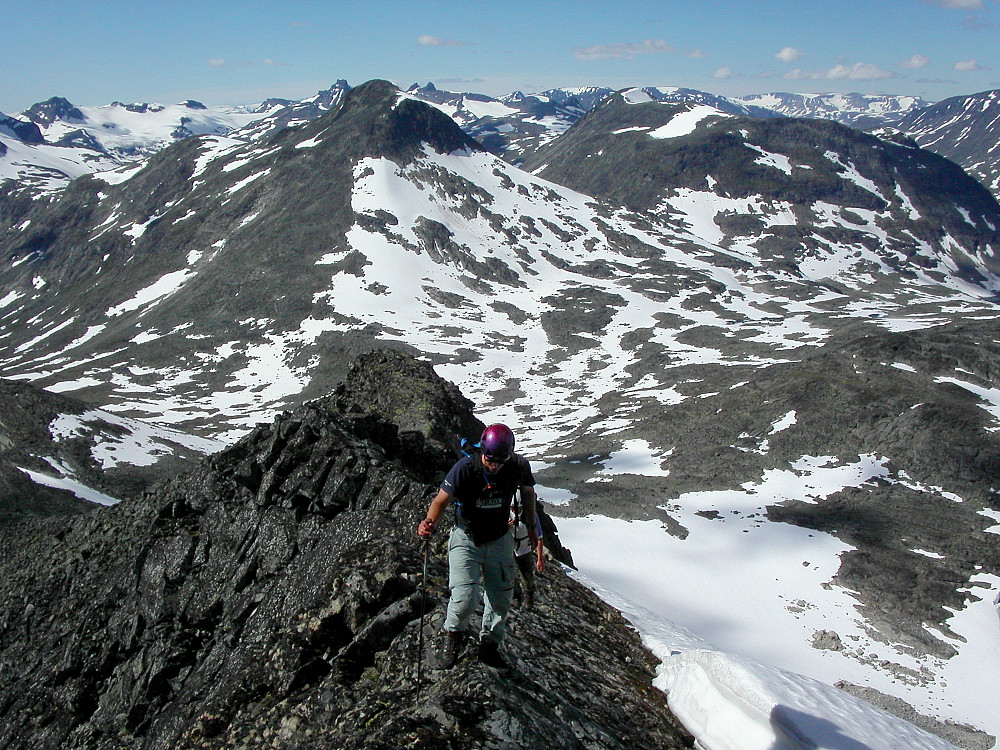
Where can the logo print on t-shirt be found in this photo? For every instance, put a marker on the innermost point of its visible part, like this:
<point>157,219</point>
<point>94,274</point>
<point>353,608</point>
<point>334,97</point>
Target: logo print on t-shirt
<point>492,497</point>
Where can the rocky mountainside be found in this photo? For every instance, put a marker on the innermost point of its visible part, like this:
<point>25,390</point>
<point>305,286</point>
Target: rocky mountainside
<point>965,129</point>
<point>59,455</point>
<point>24,131</point>
<point>26,413</point>
<point>514,126</point>
<point>271,597</point>
<point>791,189</point>
<point>751,298</point>
<point>197,217</point>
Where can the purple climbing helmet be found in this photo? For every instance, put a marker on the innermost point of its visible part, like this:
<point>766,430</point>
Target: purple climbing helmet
<point>497,443</point>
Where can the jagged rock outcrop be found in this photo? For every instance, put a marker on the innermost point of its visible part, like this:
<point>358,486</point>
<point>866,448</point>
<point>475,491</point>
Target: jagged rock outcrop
<point>271,596</point>
<point>430,415</point>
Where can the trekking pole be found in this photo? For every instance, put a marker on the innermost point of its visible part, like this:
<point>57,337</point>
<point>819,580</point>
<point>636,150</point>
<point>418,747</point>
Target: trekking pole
<point>420,638</point>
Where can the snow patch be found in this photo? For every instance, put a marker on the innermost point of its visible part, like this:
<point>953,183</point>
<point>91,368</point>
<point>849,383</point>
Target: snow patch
<point>684,123</point>
<point>79,489</point>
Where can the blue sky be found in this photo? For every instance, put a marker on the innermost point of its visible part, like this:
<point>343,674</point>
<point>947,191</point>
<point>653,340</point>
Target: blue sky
<point>94,52</point>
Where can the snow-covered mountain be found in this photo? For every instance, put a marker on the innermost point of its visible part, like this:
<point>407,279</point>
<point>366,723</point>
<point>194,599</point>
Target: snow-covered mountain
<point>962,128</point>
<point>125,131</point>
<point>729,105</point>
<point>759,326</point>
<point>514,124</point>
<point>275,114</point>
<point>864,111</point>
<point>790,193</point>
<point>93,139</point>
<point>43,167</point>
<point>517,125</point>
<point>54,141</point>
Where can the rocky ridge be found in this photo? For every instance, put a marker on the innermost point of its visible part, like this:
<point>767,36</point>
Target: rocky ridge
<point>271,596</point>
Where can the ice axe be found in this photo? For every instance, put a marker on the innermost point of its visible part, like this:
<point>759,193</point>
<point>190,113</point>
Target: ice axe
<point>420,638</point>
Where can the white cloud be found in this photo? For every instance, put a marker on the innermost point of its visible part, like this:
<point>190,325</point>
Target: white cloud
<point>960,4</point>
<point>856,72</point>
<point>628,51</point>
<point>802,75</point>
<point>217,62</point>
<point>972,65</point>
<point>788,54</point>
<point>977,24</point>
<point>433,41</point>
<point>723,73</point>
<point>914,61</point>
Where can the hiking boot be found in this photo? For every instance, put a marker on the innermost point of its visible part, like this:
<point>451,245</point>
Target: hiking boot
<point>454,640</point>
<point>489,654</point>
<point>529,600</point>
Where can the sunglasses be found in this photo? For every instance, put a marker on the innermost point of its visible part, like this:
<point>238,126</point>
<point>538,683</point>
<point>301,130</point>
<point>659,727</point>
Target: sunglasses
<point>495,460</point>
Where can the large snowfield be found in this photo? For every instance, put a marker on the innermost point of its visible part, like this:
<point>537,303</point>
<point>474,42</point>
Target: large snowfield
<point>731,611</point>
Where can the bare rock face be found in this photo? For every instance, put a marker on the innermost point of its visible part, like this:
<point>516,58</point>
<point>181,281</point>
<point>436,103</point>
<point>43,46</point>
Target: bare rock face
<point>272,597</point>
<point>430,416</point>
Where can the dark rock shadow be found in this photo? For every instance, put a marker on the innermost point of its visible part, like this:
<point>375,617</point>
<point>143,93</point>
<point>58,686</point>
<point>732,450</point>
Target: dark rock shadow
<point>796,730</point>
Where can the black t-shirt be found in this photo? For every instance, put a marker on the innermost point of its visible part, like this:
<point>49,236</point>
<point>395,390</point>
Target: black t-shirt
<point>482,500</point>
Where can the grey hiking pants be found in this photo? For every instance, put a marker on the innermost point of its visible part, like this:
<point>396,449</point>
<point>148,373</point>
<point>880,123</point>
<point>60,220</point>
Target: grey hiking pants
<point>493,563</point>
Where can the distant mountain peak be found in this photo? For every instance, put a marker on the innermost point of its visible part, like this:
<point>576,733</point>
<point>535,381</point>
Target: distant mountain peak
<point>139,107</point>
<point>56,108</point>
<point>965,129</point>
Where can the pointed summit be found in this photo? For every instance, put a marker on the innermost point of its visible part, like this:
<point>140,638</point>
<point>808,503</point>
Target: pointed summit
<point>382,122</point>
